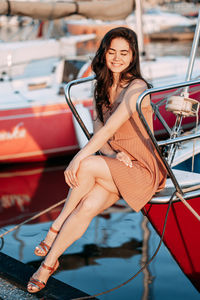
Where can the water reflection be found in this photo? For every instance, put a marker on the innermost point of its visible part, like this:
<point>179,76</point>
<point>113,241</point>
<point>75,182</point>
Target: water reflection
<point>28,189</point>
<point>115,246</point>
<point>91,252</point>
<point>148,278</point>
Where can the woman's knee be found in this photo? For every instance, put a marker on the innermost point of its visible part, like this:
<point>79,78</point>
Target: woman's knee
<point>86,165</point>
<point>87,207</point>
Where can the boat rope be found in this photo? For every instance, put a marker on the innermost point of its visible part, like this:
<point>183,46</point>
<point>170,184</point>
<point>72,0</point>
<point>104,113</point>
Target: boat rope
<point>191,209</point>
<point>190,189</point>
<point>30,219</point>
<point>144,266</point>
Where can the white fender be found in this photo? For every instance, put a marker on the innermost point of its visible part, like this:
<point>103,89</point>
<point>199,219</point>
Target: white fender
<point>87,120</point>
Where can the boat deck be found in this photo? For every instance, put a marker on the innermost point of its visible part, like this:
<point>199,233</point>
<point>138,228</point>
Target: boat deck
<point>185,179</point>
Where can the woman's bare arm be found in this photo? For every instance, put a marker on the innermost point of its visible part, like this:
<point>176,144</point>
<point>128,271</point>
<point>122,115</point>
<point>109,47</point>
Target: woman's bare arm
<point>116,120</point>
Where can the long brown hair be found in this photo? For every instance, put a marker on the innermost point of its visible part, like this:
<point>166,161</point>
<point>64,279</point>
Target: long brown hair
<point>104,77</point>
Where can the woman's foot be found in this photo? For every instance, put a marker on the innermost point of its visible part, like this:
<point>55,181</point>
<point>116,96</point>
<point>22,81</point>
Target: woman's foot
<point>39,279</point>
<point>43,248</point>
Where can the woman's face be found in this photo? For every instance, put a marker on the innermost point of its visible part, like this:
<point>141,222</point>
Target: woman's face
<point>119,55</point>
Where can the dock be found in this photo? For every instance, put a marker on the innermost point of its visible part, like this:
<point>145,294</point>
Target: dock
<point>14,276</point>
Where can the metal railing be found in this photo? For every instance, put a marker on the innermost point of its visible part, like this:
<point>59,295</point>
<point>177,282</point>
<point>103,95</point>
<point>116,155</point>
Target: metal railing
<point>144,122</point>
<point>151,135</point>
<point>67,89</point>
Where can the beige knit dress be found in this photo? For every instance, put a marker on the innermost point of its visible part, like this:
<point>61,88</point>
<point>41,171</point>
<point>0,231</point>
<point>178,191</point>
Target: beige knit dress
<point>138,184</point>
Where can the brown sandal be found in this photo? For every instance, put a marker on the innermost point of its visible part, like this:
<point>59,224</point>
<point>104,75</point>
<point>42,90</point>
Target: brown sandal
<point>43,246</point>
<point>38,283</point>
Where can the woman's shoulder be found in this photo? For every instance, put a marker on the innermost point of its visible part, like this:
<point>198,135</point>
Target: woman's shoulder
<point>137,83</point>
<point>134,89</point>
<point>135,86</point>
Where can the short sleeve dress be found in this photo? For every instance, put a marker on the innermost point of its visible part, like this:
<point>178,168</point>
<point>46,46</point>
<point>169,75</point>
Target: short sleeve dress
<point>138,184</point>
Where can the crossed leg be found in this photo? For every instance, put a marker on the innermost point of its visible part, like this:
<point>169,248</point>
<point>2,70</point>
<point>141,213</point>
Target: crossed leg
<point>95,193</point>
<point>92,170</point>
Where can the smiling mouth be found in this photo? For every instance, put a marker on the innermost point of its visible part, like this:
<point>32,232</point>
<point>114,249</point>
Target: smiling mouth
<point>116,64</point>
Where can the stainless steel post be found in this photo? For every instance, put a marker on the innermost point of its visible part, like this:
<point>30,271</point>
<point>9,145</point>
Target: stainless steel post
<point>192,55</point>
<point>139,26</point>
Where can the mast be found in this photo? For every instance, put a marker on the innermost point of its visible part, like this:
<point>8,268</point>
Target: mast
<point>192,55</point>
<point>139,25</point>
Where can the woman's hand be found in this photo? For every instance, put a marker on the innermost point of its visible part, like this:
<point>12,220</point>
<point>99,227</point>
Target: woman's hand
<point>70,173</point>
<point>123,157</point>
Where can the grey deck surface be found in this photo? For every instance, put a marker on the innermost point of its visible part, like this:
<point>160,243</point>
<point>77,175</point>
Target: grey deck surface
<point>13,280</point>
<point>10,291</point>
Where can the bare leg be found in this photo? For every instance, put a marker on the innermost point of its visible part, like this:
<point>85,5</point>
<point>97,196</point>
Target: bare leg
<point>89,202</point>
<point>76,224</point>
<point>74,227</point>
<point>92,169</point>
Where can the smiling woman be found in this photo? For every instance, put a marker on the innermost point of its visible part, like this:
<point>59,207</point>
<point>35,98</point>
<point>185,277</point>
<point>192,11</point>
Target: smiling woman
<point>128,166</point>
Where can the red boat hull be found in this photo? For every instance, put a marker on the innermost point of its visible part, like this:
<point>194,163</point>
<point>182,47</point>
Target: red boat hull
<point>181,235</point>
<point>37,133</point>
<point>41,132</point>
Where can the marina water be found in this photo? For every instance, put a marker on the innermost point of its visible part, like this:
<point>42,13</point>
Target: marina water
<point>112,250</point>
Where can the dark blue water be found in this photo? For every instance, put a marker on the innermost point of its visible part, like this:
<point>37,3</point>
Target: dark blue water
<point>110,251</point>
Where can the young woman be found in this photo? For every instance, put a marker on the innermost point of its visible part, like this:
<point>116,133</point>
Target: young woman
<point>129,167</point>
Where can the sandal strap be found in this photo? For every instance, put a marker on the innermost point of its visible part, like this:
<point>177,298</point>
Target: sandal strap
<point>51,269</point>
<point>53,230</point>
<point>37,283</point>
<point>44,246</point>
<point>47,267</point>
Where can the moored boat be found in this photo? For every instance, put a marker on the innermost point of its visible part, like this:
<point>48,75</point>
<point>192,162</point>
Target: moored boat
<point>181,193</point>
<point>181,234</point>
<point>174,212</point>
<point>179,206</point>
